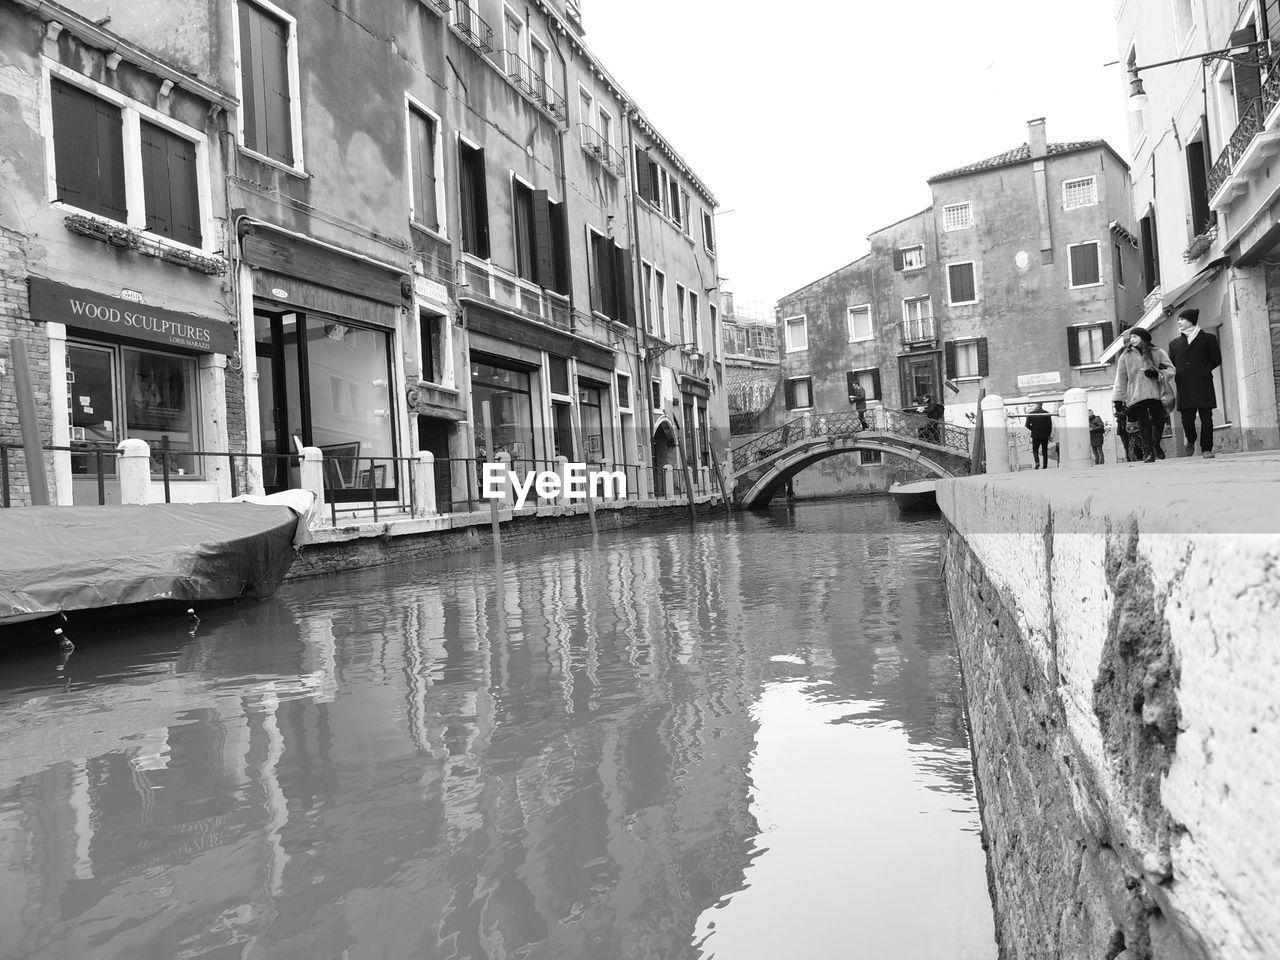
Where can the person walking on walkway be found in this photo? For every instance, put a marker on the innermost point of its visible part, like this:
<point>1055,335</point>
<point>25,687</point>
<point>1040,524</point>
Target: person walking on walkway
<point>858,397</point>
<point>1040,423</point>
<point>1140,369</point>
<point>1097,433</point>
<point>1195,355</point>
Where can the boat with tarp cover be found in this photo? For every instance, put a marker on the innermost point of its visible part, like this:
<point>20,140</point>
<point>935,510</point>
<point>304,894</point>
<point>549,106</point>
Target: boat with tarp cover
<point>56,561</point>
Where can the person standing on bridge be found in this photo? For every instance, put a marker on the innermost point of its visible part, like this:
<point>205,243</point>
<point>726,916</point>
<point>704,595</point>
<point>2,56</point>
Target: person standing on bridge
<point>858,397</point>
<point>1040,423</point>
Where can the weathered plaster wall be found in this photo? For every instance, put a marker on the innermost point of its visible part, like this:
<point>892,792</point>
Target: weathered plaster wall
<point>1121,673</point>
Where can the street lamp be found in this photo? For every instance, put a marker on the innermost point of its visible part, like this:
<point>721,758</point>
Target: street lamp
<point>656,352</point>
<point>1138,99</point>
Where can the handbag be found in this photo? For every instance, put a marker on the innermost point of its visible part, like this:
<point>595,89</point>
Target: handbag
<point>1168,397</point>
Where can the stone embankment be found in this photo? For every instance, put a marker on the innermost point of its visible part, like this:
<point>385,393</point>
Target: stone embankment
<point>1117,629</point>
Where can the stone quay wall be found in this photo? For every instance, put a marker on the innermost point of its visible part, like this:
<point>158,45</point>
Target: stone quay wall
<point>1117,629</point>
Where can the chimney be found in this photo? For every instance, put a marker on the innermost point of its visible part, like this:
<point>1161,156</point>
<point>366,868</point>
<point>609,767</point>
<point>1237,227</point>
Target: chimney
<point>1037,138</point>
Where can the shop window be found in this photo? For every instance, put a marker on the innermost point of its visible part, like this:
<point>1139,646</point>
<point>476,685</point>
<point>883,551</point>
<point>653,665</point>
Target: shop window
<point>100,143</point>
<point>591,408</point>
<point>118,393</point>
<point>509,395</point>
<point>474,201</point>
<point>267,100</point>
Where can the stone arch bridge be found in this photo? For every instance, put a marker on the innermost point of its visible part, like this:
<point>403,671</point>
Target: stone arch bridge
<point>762,466</point>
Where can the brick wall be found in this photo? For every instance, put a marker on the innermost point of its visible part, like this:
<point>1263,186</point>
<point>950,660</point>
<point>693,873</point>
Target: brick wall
<point>15,323</point>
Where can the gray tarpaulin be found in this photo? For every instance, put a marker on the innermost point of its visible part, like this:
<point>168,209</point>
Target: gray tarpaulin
<point>60,559</point>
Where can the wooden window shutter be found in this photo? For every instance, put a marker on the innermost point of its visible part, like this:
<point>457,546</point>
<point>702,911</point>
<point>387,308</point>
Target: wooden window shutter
<point>642,174</point>
<point>480,200</point>
<point>275,67</point>
<point>170,183</point>
<point>544,266</point>
<point>628,296</point>
<point>88,151</point>
<point>252,83</point>
<point>1073,347</point>
<point>875,385</point>
<point>789,393</point>
<point>949,351</point>
<point>1248,81</point>
<point>983,368</point>
<point>560,247</point>
<point>852,379</point>
<point>1108,334</point>
<point>897,260</point>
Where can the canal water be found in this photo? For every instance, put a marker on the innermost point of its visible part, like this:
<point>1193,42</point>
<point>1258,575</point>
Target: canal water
<point>744,741</point>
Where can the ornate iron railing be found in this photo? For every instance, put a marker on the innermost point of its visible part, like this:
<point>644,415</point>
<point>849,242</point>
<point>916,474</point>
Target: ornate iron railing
<point>1251,122</point>
<point>472,27</point>
<point>919,330</point>
<point>904,426</point>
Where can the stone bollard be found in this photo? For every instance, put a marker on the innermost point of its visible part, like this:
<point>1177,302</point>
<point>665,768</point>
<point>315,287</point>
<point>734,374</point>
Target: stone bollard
<point>508,497</point>
<point>562,471</point>
<point>604,466</point>
<point>1074,431</point>
<point>668,480</point>
<point>995,434</point>
<point>135,471</point>
<point>704,478</point>
<point>424,484</point>
<point>311,470</point>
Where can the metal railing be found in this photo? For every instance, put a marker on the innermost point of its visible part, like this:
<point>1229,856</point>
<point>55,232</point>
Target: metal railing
<point>919,330</point>
<point>1251,122</point>
<point>472,27</point>
<point>901,425</point>
<point>492,285</point>
<point>534,85</point>
<point>603,152</point>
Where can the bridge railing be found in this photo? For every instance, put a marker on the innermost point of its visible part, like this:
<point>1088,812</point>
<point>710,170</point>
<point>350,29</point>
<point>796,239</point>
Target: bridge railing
<point>914,428</point>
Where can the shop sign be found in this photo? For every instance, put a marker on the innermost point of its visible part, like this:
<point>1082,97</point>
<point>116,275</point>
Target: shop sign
<point>90,310</point>
<point>428,289</point>
<point>1039,379</point>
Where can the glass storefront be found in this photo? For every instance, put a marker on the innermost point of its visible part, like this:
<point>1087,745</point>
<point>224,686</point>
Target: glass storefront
<point>510,398</point>
<point>117,392</point>
<point>594,442</point>
<point>327,382</point>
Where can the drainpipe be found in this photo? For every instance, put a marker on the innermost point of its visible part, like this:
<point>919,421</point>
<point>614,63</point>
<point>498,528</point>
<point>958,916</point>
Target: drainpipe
<point>642,329</point>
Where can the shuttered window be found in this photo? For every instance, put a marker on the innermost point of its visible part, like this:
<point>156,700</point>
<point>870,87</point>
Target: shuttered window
<point>965,359</point>
<point>1086,343</point>
<point>960,281</point>
<point>474,201</point>
<point>422,168</point>
<point>1083,264</point>
<point>798,392</point>
<point>265,97</point>
<point>611,287</point>
<point>88,151</point>
<point>708,232</point>
<point>523,227</point>
<point>170,186</point>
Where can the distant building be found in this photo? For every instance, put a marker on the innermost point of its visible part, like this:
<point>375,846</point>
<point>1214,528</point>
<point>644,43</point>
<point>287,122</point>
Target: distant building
<point>1012,282</point>
<point>1209,222</point>
<point>749,341</point>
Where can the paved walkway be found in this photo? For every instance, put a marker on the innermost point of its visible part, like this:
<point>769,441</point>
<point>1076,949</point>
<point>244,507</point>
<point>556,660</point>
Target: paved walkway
<point>1233,493</point>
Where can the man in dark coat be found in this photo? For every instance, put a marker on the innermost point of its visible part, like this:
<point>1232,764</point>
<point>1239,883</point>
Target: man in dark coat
<point>1040,423</point>
<point>1195,355</point>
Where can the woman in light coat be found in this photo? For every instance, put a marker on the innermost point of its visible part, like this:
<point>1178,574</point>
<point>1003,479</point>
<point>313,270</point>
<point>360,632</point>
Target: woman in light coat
<point>1140,370</point>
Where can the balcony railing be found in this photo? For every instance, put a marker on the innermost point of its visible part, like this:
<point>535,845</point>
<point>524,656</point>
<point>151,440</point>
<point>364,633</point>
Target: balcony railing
<point>491,285</point>
<point>534,86</point>
<point>1251,123</point>
<point>601,150</point>
<point>919,330</point>
<point>441,5</point>
<point>472,27</point>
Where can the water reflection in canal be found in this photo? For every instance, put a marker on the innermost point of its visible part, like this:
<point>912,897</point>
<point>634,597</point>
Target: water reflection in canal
<point>741,742</point>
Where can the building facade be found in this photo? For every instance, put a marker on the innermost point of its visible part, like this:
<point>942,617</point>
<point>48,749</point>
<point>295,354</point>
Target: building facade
<point>1012,282</point>
<point>386,215</point>
<point>1209,224</point>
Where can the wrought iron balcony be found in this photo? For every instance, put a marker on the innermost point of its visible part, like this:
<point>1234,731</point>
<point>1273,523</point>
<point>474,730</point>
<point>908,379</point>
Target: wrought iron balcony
<point>472,27</point>
<point>534,86</point>
<point>919,330</point>
<point>602,151</point>
<point>1252,123</point>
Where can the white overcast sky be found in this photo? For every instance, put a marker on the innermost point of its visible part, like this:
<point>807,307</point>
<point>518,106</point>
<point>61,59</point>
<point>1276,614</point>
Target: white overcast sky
<point>816,123</point>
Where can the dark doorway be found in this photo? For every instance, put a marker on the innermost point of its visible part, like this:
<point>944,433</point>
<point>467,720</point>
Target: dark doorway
<point>433,437</point>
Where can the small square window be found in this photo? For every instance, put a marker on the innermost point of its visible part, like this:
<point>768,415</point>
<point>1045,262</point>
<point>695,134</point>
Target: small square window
<point>869,457</point>
<point>624,391</point>
<point>655,394</point>
<point>1083,264</point>
<point>797,329</point>
<point>957,216</point>
<point>1079,193</point>
<point>799,393</point>
<point>860,323</point>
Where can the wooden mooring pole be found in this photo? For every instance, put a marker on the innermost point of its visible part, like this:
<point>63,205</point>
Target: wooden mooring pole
<point>494,516</point>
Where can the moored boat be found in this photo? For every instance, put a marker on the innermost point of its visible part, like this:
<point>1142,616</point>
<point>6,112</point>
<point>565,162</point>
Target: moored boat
<point>916,497</point>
